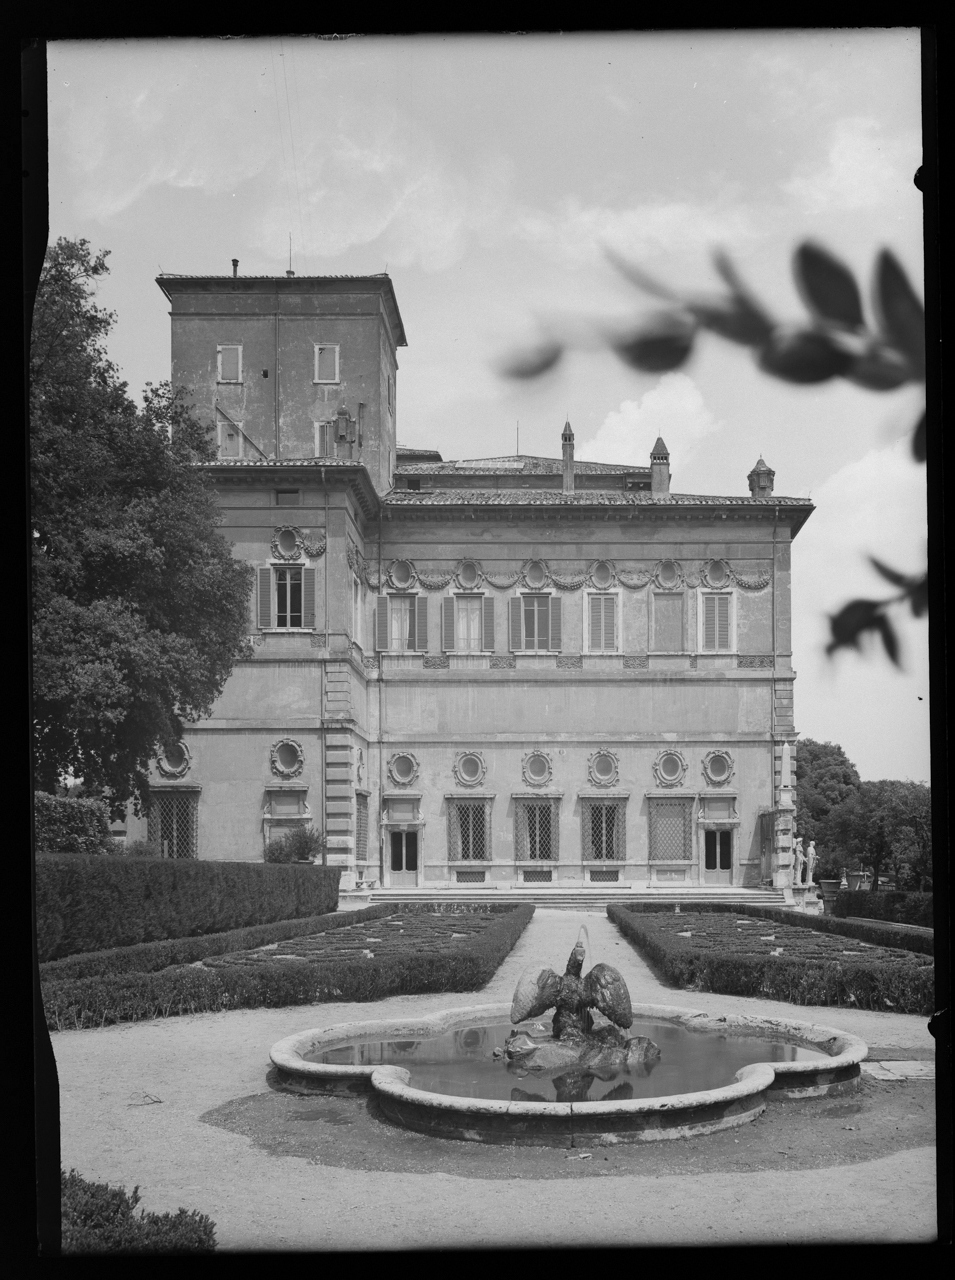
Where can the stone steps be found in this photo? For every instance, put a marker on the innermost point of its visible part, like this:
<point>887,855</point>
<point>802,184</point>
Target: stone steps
<point>571,899</point>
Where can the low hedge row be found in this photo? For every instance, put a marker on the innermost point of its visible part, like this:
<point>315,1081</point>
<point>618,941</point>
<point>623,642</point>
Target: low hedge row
<point>905,987</point>
<point>94,903</point>
<point>96,1002</point>
<point>899,907</point>
<point>147,957</point>
<point>97,1218</point>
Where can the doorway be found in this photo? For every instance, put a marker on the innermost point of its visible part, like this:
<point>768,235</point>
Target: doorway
<point>718,857</point>
<point>404,858</point>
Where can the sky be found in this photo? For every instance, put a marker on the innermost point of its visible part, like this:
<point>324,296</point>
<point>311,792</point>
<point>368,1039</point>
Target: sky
<point>486,175</point>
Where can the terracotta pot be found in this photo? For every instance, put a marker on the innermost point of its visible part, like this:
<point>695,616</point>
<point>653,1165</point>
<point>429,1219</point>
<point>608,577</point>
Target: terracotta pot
<point>855,879</point>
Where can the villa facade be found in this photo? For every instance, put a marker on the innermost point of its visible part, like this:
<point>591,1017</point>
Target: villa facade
<point>489,671</point>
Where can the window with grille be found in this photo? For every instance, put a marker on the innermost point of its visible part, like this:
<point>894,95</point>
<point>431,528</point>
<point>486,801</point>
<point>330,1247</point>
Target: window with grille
<point>603,829</point>
<point>671,829</point>
<point>469,837</point>
<point>467,623</point>
<point>716,631</point>
<point>229,363</point>
<point>536,830</point>
<point>326,362</point>
<point>173,823</point>
<point>603,623</point>
<point>401,623</point>
<point>361,828</point>
<point>535,623</point>
<point>718,850</point>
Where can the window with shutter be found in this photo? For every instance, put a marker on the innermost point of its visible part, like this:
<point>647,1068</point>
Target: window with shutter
<point>716,631</point>
<point>308,598</point>
<point>541,623</point>
<point>468,609</point>
<point>382,632</point>
<point>515,624</point>
<point>555,621</point>
<point>603,624</point>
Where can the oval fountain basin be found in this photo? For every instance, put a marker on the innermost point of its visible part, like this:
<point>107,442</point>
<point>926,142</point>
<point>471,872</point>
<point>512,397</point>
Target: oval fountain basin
<point>436,1075</point>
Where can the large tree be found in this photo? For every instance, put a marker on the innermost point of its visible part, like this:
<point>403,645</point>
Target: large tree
<point>825,777</point>
<point>886,823</point>
<point>139,609</point>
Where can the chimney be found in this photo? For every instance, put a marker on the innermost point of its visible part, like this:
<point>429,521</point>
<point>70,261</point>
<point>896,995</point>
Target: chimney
<point>290,273</point>
<point>235,267</point>
<point>659,468</point>
<point>567,443</point>
<point>761,480</point>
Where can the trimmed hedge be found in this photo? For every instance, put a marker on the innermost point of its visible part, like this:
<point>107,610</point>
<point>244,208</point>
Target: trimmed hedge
<point>99,1001</point>
<point>148,957</point>
<point>893,905</point>
<point>905,987</point>
<point>92,904</point>
<point>98,1218</point>
<point>63,825</point>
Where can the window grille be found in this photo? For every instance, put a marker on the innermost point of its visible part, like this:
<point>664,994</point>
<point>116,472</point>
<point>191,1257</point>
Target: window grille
<point>361,828</point>
<point>536,833</point>
<point>468,831</point>
<point>603,875</point>
<point>537,875</point>
<point>603,830</point>
<point>671,829</point>
<point>173,823</point>
<point>470,877</point>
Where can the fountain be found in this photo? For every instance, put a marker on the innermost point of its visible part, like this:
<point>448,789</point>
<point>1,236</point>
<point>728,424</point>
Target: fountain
<point>695,1074</point>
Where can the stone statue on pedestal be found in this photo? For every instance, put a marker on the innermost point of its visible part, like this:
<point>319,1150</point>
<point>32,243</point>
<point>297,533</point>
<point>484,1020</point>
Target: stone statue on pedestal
<point>811,856</point>
<point>799,861</point>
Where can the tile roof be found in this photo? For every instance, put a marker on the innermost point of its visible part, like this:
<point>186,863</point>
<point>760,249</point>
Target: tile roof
<point>519,464</point>
<point>181,275</point>
<point>580,498</point>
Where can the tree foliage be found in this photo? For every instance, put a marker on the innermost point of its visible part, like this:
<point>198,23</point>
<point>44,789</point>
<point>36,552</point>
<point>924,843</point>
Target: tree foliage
<point>835,342</point>
<point>825,777</point>
<point>886,824</point>
<point>139,609</point>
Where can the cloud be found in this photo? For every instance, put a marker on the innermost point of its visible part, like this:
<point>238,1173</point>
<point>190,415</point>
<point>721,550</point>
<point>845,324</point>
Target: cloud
<point>673,409</point>
<point>863,169</point>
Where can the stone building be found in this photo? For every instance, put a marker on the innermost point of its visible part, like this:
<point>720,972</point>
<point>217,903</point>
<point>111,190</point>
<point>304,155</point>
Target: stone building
<point>482,672</point>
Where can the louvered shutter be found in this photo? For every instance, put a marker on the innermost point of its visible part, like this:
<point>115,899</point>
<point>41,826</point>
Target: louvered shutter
<point>265,598</point>
<point>381,623</point>
<point>610,622</point>
<point>596,622</point>
<point>709,622</point>
<point>308,598</point>
<point>487,623</point>
<point>421,622</point>
<point>722,622</point>
<point>555,632</point>
<point>514,609</point>
<point>447,622</point>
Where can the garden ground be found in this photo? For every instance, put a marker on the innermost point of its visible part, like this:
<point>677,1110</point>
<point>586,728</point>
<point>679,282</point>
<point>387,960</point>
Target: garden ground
<point>181,1107</point>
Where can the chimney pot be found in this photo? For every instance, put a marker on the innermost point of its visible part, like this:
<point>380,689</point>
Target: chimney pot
<point>235,267</point>
<point>567,446</point>
<point>659,468</point>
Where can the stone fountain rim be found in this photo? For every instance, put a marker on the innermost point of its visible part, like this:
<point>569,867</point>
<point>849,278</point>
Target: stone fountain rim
<point>843,1049</point>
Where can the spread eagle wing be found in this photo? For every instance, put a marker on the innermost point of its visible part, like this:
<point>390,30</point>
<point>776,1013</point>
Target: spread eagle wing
<point>605,990</point>
<point>535,993</point>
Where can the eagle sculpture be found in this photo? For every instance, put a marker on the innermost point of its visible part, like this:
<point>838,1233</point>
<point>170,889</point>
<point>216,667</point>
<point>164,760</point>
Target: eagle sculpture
<point>575,1042</point>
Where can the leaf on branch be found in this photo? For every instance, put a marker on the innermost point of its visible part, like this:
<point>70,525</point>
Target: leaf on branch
<point>918,597</point>
<point>533,362</point>
<point>663,344</point>
<point>852,621</point>
<point>742,294</point>
<point>734,319</point>
<point>880,368</point>
<point>803,355</point>
<point>891,575</point>
<point>887,632</point>
<point>638,277</point>
<point>918,440</point>
<point>900,313</point>
<point>827,286</point>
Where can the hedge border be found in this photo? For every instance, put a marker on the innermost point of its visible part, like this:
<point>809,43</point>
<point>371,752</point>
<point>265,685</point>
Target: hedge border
<point>147,957</point>
<point>187,989</point>
<point>864,904</point>
<point>846,984</point>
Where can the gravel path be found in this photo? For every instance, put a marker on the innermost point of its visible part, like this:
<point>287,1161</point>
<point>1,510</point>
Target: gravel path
<point>111,1131</point>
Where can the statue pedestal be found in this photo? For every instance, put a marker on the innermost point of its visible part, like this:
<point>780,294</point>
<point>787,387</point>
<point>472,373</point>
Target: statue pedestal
<point>799,896</point>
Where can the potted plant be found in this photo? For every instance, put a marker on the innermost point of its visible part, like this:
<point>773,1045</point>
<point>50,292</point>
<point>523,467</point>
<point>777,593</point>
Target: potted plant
<point>829,890</point>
